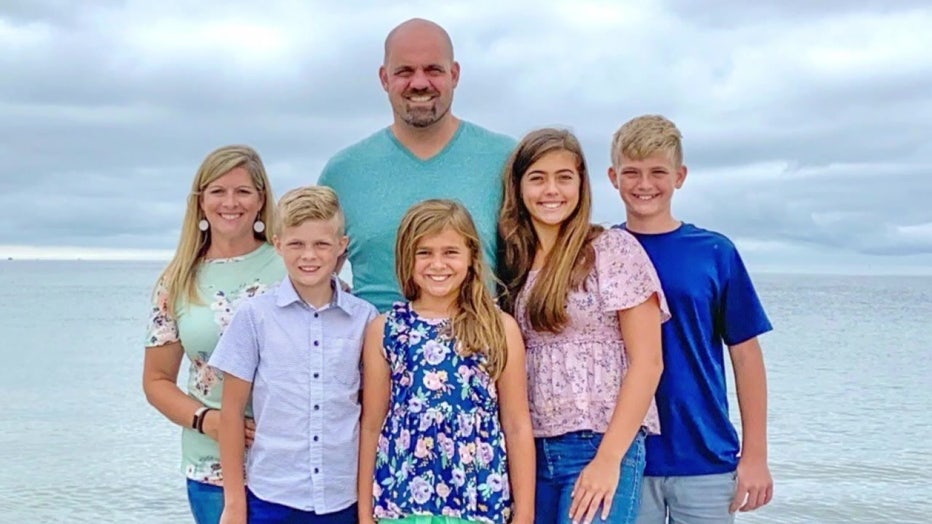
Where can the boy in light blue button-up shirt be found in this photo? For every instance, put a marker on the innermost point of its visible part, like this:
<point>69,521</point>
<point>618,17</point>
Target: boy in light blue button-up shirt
<point>296,349</point>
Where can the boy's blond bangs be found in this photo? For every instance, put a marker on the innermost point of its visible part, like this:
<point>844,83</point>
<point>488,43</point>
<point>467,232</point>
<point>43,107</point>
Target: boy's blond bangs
<point>646,136</point>
<point>310,203</point>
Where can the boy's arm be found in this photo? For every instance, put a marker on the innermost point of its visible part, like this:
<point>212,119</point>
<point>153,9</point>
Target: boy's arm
<point>237,357</point>
<point>516,424</point>
<point>233,447</point>
<point>596,485</point>
<point>376,390</point>
<point>755,485</point>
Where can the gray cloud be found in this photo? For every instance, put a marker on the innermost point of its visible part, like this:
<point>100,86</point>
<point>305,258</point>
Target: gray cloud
<point>732,13</point>
<point>806,124</point>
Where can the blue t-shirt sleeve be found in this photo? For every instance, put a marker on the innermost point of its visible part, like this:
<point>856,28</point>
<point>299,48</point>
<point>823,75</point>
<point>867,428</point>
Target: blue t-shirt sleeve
<point>237,352</point>
<point>742,313</point>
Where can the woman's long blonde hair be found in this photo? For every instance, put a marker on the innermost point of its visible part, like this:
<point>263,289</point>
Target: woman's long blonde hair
<point>572,257</point>
<point>180,276</point>
<point>477,324</point>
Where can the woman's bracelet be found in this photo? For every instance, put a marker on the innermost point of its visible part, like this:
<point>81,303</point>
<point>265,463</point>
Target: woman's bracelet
<point>198,422</point>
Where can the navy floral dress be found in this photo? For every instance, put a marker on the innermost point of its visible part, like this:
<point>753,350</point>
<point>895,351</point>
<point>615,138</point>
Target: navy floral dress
<point>441,450</point>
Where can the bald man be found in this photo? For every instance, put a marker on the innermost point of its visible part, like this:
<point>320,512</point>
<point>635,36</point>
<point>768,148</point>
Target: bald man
<point>426,152</point>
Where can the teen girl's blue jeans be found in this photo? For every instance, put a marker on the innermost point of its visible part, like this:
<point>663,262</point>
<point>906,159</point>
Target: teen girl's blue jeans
<point>560,460</point>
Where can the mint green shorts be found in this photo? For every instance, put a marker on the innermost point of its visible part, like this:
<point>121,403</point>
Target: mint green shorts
<point>426,519</point>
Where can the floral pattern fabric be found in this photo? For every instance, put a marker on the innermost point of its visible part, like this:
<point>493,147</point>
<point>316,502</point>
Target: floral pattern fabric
<point>441,451</point>
<point>223,285</point>
<point>574,376</point>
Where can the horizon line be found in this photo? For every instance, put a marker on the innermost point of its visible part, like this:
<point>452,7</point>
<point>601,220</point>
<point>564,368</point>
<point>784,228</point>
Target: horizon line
<point>88,254</point>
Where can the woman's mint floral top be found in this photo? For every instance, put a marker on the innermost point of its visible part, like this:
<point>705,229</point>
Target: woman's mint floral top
<point>223,285</point>
<point>441,450</point>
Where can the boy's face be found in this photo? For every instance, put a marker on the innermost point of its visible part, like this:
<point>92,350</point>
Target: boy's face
<point>310,251</point>
<point>646,186</point>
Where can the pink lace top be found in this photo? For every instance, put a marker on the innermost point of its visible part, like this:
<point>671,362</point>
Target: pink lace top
<point>574,376</point>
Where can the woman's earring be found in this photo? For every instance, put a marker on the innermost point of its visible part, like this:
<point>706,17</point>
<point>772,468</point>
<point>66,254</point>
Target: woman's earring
<point>258,226</point>
<point>203,225</point>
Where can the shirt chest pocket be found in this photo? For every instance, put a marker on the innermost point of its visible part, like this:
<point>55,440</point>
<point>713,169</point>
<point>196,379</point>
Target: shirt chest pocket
<point>342,362</point>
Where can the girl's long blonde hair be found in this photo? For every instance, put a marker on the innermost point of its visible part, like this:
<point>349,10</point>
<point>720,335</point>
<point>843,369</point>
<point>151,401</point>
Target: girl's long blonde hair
<point>477,324</point>
<point>180,276</point>
<point>572,257</point>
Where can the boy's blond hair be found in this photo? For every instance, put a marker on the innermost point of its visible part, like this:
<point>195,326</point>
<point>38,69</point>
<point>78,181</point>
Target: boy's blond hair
<point>646,135</point>
<point>310,203</point>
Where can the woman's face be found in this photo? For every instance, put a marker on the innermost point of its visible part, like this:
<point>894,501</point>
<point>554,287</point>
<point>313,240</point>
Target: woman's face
<point>231,204</point>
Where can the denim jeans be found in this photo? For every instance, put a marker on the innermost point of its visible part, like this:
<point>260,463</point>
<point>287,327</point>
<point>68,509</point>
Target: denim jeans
<point>206,502</point>
<point>265,512</point>
<point>560,460</point>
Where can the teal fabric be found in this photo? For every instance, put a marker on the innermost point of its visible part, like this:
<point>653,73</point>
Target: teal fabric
<point>378,180</point>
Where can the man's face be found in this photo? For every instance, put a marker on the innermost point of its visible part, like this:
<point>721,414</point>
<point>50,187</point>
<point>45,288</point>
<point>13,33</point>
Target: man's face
<point>419,76</point>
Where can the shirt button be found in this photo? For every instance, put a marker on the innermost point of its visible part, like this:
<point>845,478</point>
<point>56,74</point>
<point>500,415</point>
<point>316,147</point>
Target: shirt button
<point>316,471</point>
<point>316,407</point>
<point>316,375</point>
<point>316,315</point>
<point>316,343</point>
<point>315,438</point>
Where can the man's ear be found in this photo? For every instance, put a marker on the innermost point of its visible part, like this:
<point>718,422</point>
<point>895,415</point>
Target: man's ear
<point>455,73</point>
<point>383,77</point>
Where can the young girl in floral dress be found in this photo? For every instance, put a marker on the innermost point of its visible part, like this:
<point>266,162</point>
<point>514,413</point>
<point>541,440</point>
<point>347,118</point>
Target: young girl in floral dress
<point>590,306</point>
<point>446,434</point>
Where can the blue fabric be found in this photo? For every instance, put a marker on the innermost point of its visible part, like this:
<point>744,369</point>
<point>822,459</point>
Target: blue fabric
<point>263,512</point>
<point>378,179</point>
<point>206,502</point>
<point>712,302</point>
<point>560,461</point>
<point>441,450</point>
<point>303,364</point>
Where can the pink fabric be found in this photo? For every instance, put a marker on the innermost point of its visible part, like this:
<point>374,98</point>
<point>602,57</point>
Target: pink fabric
<point>574,376</point>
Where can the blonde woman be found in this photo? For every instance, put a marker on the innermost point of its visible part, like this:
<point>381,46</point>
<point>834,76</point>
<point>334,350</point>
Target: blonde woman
<point>223,257</point>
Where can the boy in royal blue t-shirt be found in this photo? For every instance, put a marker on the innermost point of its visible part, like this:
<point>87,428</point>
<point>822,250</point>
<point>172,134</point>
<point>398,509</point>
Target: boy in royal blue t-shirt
<point>697,469</point>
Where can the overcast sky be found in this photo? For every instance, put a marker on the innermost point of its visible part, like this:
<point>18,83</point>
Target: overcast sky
<point>807,125</point>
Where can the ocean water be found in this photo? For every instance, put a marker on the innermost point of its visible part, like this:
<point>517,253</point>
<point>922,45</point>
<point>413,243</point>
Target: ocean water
<point>850,373</point>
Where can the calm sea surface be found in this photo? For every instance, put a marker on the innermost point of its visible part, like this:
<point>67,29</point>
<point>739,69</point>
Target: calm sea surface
<point>850,370</point>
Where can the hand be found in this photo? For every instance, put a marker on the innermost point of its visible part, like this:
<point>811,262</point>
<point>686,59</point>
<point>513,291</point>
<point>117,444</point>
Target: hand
<point>250,432</point>
<point>212,427</point>
<point>596,485</point>
<point>755,485</point>
<point>235,514</point>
